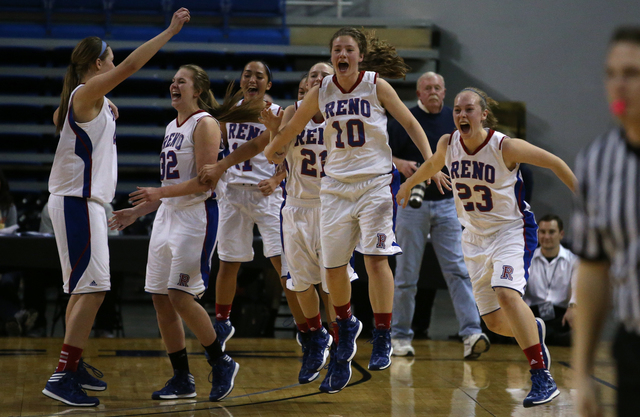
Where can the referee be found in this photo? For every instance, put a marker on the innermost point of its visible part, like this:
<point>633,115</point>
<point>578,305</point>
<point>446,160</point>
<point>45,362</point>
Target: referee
<point>606,228</point>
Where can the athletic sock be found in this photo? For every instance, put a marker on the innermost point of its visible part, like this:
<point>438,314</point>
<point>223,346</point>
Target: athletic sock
<point>303,327</point>
<point>314,323</point>
<point>69,358</point>
<point>214,351</point>
<point>343,312</point>
<point>534,356</point>
<point>179,361</point>
<point>223,311</point>
<point>382,320</point>
<point>334,332</point>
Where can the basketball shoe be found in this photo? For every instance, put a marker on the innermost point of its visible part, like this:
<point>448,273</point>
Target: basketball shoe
<point>316,356</point>
<point>349,330</point>
<point>179,386</point>
<point>338,375</point>
<point>475,345</point>
<point>222,377</point>
<point>62,386</point>
<point>224,331</point>
<point>402,347</point>
<point>382,350</point>
<point>543,388</point>
<point>542,334</point>
<point>88,381</point>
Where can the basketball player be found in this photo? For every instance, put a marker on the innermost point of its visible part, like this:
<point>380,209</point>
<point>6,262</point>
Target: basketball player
<point>357,193</point>
<point>185,230</point>
<point>83,178</point>
<point>245,204</point>
<point>302,87</point>
<point>500,231</point>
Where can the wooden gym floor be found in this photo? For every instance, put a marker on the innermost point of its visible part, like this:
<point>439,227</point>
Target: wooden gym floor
<point>436,382</point>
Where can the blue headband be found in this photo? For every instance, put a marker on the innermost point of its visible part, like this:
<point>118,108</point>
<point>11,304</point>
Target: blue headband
<point>480,95</point>
<point>104,48</point>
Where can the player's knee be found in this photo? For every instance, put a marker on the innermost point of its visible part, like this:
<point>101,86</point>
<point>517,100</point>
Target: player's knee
<point>507,297</point>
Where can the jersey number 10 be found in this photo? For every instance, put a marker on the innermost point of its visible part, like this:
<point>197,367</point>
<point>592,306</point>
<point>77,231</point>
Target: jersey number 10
<point>355,133</point>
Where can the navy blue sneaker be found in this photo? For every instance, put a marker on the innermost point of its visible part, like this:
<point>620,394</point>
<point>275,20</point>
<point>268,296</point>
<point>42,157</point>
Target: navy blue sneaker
<point>316,356</point>
<point>222,377</point>
<point>349,330</point>
<point>542,334</point>
<point>224,331</point>
<point>88,381</point>
<point>62,386</point>
<point>338,375</point>
<point>543,388</point>
<point>382,350</point>
<point>179,386</point>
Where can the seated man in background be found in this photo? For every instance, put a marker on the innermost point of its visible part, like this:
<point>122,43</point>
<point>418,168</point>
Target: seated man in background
<point>551,286</point>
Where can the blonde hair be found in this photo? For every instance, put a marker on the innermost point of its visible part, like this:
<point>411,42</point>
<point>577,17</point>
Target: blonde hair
<point>228,111</point>
<point>379,55</point>
<point>83,56</point>
<point>486,103</point>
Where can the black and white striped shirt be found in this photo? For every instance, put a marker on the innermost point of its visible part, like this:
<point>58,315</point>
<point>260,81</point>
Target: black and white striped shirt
<point>606,220</point>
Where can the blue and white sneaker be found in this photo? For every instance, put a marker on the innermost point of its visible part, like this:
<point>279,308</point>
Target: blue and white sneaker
<point>62,386</point>
<point>542,334</point>
<point>222,377</point>
<point>382,350</point>
<point>543,388</point>
<point>316,356</point>
<point>338,375</point>
<point>88,381</point>
<point>349,330</point>
<point>224,332</point>
<point>179,386</point>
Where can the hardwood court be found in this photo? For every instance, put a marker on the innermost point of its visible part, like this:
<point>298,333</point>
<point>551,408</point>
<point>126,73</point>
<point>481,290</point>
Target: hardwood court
<point>437,382</point>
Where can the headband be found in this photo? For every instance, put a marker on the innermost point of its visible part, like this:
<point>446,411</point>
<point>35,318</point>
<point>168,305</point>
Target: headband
<point>104,48</point>
<point>480,95</point>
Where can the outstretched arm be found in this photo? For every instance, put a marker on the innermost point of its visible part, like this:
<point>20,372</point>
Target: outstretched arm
<point>427,170</point>
<point>124,218</point>
<point>519,151</point>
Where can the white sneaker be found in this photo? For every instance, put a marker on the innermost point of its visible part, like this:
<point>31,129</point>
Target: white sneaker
<point>476,344</point>
<point>402,347</point>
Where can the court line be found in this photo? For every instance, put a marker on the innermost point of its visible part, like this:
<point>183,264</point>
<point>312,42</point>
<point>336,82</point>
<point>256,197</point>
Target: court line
<point>602,381</point>
<point>365,376</point>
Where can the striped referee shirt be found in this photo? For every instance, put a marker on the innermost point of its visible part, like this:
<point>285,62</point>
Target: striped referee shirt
<point>606,220</point>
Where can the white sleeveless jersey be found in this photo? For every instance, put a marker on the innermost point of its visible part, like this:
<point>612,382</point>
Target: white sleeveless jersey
<point>305,161</point>
<point>178,158</point>
<point>86,161</point>
<point>356,129</point>
<point>257,168</point>
<point>490,197</point>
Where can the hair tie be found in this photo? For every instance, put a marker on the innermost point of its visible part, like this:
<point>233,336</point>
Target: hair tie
<point>104,48</point>
<point>479,95</point>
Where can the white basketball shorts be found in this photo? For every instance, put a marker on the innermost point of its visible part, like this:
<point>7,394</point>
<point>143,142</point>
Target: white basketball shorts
<point>80,228</point>
<point>241,208</point>
<point>182,242</point>
<point>364,212</point>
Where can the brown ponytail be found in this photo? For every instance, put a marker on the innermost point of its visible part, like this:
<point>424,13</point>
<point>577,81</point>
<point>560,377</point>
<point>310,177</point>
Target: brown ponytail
<point>83,56</point>
<point>379,55</point>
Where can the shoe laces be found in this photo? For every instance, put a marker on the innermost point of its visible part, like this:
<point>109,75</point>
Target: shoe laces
<point>540,380</point>
<point>216,369</point>
<point>379,341</point>
<point>96,372</point>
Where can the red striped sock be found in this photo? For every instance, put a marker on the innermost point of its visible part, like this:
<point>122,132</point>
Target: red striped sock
<point>382,320</point>
<point>223,311</point>
<point>314,323</point>
<point>69,358</point>
<point>303,327</point>
<point>343,312</point>
<point>534,356</point>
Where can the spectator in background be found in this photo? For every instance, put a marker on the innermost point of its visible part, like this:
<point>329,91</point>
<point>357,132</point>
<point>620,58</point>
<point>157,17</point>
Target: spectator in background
<point>436,217</point>
<point>551,286</point>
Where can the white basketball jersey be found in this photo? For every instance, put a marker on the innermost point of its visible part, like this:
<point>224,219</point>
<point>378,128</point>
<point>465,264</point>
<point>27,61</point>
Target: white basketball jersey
<point>489,195</point>
<point>178,158</point>
<point>86,161</point>
<point>305,161</point>
<point>257,168</point>
<point>356,129</point>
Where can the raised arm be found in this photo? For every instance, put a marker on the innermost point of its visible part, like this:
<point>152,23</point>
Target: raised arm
<point>428,169</point>
<point>519,151</point>
<point>287,133</point>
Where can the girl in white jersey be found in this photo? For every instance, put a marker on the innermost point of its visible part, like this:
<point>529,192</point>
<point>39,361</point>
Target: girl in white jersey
<point>252,196</point>
<point>500,231</point>
<point>83,177</point>
<point>185,229</point>
<point>357,192</point>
